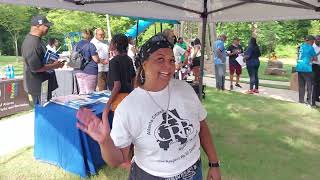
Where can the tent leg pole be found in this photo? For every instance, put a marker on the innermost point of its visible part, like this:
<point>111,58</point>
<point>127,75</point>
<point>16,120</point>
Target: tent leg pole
<point>137,33</point>
<point>203,45</point>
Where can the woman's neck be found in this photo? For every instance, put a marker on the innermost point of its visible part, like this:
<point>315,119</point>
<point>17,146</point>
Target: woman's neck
<point>153,86</point>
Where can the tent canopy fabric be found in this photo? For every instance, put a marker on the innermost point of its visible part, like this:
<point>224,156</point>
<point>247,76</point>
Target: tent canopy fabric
<point>190,10</point>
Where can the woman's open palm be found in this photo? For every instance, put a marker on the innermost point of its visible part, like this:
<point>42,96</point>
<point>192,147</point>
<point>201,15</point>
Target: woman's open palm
<point>92,125</point>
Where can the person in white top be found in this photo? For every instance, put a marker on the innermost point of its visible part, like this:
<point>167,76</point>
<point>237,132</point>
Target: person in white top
<point>177,50</point>
<point>103,53</point>
<point>196,58</point>
<point>132,51</point>
<point>166,124</point>
<point>316,72</point>
<point>53,43</point>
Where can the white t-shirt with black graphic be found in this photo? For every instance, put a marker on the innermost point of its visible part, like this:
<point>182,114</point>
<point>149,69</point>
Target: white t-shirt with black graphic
<point>163,146</point>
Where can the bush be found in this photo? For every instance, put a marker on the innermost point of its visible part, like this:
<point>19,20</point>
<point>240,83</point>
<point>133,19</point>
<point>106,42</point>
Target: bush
<point>286,51</point>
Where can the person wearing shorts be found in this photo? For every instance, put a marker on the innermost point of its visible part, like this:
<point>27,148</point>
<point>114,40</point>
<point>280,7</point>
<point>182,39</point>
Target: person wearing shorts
<point>234,67</point>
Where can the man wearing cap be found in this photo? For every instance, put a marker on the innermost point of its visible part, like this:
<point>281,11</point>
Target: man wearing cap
<point>304,68</point>
<point>35,71</point>
<point>316,72</point>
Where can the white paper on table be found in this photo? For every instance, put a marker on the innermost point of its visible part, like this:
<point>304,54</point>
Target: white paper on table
<point>239,59</point>
<point>103,100</point>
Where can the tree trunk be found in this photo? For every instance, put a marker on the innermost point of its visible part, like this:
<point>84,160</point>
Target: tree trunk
<point>199,30</point>
<point>15,39</point>
<point>108,28</point>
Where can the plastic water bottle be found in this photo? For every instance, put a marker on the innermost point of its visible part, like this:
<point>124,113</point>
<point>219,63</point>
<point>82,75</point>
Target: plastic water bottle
<point>7,71</point>
<point>11,71</point>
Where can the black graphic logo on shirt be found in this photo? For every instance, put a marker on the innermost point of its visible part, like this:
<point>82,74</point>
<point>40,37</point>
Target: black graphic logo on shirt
<point>172,130</point>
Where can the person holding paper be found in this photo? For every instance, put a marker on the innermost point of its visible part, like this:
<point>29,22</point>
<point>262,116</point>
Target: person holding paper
<point>35,71</point>
<point>234,50</point>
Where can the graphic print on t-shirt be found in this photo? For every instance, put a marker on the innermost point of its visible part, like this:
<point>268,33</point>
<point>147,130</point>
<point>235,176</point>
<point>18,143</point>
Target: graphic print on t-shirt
<point>173,130</point>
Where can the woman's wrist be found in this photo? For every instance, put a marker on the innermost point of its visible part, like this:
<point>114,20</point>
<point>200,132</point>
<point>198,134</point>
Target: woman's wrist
<point>214,164</point>
<point>106,140</point>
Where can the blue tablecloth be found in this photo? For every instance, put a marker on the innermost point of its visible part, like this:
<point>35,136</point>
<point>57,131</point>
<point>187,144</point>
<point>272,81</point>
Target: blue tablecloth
<point>58,141</point>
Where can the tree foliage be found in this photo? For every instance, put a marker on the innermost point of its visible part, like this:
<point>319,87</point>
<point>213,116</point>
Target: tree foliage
<point>14,20</point>
<point>15,24</point>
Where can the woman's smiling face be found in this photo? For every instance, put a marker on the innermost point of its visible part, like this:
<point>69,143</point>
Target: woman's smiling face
<point>160,67</point>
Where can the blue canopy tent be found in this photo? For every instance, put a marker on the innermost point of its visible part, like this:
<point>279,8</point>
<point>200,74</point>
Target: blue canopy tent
<point>143,24</point>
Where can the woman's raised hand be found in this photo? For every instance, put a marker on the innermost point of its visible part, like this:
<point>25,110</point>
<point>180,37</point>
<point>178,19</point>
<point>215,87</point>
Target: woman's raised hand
<point>92,125</point>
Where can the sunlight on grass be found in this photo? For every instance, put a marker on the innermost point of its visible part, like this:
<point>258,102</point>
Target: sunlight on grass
<point>299,143</point>
<point>256,138</point>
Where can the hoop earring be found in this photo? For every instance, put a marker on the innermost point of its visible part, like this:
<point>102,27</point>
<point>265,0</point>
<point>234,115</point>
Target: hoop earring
<point>142,78</point>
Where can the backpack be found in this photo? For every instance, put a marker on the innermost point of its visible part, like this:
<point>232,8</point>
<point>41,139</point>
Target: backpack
<point>77,60</point>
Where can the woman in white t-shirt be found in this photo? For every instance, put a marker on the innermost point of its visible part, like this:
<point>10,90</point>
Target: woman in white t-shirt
<point>165,124</point>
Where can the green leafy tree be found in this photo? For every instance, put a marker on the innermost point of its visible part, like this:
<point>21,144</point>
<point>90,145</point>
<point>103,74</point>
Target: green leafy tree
<point>15,19</point>
<point>315,27</point>
<point>241,30</point>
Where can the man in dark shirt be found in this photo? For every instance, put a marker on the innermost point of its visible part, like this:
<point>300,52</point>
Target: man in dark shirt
<point>35,70</point>
<point>234,67</point>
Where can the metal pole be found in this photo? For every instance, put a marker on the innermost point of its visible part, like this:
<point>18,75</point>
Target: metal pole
<point>137,33</point>
<point>155,28</point>
<point>161,27</point>
<point>204,17</point>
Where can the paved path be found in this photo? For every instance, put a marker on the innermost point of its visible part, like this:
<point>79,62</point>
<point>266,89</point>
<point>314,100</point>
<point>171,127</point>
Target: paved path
<point>261,81</point>
<point>16,132</point>
<point>280,94</point>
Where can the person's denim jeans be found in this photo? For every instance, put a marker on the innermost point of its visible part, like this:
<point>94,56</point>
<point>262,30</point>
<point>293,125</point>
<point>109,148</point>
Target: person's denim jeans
<point>220,71</point>
<point>253,74</point>
<point>305,79</point>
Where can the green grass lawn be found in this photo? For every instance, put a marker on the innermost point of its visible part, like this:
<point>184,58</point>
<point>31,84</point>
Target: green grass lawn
<point>17,64</point>
<point>262,76</point>
<point>257,138</point>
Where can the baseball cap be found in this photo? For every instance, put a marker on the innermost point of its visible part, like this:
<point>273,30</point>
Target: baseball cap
<point>309,38</point>
<point>40,20</point>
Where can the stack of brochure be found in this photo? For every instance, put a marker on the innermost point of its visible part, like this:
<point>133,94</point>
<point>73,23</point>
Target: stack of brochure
<point>74,101</point>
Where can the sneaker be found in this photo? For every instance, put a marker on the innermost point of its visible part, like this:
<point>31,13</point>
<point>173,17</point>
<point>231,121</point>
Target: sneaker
<point>249,92</point>
<point>255,91</point>
<point>231,87</point>
<point>238,85</point>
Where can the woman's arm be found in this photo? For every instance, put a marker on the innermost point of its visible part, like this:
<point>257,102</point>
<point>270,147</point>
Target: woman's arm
<point>115,91</point>
<point>207,143</point>
<point>209,149</point>
<point>99,130</point>
<point>111,154</point>
<point>96,58</point>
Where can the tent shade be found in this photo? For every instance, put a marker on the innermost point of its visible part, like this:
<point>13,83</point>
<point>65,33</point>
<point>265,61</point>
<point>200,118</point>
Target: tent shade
<point>190,10</point>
